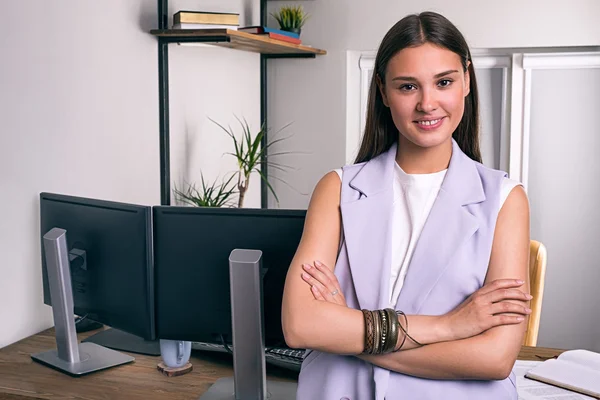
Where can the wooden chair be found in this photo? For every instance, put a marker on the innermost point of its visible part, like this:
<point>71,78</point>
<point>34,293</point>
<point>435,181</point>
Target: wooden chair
<point>537,276</point>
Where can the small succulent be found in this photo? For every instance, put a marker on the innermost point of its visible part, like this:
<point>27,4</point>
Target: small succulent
<point>291,18</point>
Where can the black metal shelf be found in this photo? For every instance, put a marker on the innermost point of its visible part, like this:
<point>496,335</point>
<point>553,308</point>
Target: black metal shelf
<point>266,47</point>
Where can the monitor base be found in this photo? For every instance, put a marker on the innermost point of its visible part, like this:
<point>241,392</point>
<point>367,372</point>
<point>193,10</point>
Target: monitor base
<point>123,341</point>
<point>93,358</point>
<point>224,389</point>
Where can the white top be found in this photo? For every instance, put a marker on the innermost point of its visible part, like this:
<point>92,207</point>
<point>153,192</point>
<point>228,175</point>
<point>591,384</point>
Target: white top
<point>414,195</point>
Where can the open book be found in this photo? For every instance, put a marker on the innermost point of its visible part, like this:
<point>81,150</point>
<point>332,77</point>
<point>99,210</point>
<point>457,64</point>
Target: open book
<point>576,370</point>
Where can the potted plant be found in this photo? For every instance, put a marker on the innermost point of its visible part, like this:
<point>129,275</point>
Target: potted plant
<point>249,154</point>
<point>291,18</point>
<point>215,195</point>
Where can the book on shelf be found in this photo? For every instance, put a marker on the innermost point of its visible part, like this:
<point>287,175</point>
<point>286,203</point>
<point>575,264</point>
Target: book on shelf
<point>206,17</point>
<point>265,29</point>
<point>283,38</point>
<point>204,26</point>
<point>575,370</point>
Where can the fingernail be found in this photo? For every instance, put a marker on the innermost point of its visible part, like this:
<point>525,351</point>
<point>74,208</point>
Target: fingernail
<point>528,310</point>
<point>313,288</point>
<point>318,263</point>
<point>305,275</point>
<point>529,296</point>
<point>520,319</point>
<point>520,282</point>
<point>306,266</point>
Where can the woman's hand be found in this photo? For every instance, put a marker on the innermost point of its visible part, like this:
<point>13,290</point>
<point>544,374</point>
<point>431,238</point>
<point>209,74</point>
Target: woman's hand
<point>486,308</point>
<point>323,283</point>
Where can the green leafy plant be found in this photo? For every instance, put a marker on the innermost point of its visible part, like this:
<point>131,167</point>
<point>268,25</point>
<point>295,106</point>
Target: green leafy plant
<point>208,196</point>
<point>252,156</point>
<point>291,18</point>
<point>249,155</point>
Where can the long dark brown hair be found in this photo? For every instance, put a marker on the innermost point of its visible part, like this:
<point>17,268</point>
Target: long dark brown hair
<point>411,31</point>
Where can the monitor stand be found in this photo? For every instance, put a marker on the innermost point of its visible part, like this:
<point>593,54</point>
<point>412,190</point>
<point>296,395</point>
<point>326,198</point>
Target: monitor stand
<point>119,340</point>
<point>249,380</point>
<point>69,357</point>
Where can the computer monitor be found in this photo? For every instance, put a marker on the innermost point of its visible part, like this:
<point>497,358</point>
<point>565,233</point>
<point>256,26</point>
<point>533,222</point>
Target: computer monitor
<point>111,265</point>
<point>191,255</point>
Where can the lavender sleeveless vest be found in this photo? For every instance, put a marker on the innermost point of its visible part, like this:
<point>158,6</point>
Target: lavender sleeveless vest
<point>449,263</point>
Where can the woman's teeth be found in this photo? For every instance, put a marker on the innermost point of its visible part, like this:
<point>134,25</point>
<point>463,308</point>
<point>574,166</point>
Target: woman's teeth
<point>432,122</point>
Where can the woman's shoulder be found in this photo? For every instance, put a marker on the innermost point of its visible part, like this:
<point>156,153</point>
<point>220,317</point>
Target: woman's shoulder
<point>350,169</point>
<point>507,187</point>
<point>492,177</point>
<point>339,172</point>
<point>328,188</point>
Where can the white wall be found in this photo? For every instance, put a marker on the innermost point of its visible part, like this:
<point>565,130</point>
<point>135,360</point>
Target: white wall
<point>78,107</point>
<point>313,94</point>
<point>79,112</point>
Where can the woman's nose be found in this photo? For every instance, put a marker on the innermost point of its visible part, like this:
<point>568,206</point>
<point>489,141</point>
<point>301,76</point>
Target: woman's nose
<point>427,102</point>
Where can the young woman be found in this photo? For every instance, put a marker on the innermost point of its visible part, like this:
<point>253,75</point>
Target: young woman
<point>410,281</point>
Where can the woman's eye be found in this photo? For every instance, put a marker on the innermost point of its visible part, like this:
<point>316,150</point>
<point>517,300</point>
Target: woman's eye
<point>444,82</point>
<point>408,87</point>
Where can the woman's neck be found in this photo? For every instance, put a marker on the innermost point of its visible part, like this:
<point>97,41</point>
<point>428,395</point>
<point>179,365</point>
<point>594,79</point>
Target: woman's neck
<point>414,159</point>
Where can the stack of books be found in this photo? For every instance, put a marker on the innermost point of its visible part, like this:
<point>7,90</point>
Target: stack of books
<point>219,20</point>
<point>205,20</point>
<point>272,33</point>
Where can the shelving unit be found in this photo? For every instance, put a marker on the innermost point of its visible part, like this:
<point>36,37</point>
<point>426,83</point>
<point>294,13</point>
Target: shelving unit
<point>238,40</point>
<point>267,48</point>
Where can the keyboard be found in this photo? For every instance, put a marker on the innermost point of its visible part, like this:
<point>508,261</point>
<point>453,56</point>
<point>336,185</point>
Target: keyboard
<point>279,356</point>
<point>285,358</point>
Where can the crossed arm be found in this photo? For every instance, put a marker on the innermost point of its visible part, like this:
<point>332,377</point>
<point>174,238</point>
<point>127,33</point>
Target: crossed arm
<point>312,319</point>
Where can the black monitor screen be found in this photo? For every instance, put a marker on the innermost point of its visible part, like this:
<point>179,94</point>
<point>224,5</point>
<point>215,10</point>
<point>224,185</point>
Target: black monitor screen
<point>192,248</point>
<point>115,284</point>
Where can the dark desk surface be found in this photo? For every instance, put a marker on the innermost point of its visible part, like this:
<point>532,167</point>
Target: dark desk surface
<point>22,378</point>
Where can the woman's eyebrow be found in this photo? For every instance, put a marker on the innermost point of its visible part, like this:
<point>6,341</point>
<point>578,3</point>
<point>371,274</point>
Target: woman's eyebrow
<point>412,79</point>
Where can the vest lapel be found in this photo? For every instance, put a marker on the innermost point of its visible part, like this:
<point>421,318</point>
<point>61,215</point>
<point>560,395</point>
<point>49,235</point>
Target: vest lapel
<point>448,226</point>
<point>366,224</point>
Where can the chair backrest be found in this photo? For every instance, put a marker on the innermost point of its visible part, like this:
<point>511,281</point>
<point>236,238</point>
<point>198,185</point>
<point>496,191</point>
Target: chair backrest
<point>537,276</point>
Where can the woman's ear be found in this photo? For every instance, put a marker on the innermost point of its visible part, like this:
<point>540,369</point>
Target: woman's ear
<point>381,88</point>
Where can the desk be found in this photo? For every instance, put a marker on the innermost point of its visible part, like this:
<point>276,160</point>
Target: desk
<point>21,378</point>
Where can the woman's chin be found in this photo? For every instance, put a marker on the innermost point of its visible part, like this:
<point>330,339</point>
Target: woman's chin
<point>428,139</point>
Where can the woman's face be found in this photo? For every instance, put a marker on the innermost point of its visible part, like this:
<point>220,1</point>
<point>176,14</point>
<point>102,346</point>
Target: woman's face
<point>425,89</point>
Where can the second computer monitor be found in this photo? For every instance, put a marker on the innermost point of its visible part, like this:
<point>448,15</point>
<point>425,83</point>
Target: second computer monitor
<point>192,248</point>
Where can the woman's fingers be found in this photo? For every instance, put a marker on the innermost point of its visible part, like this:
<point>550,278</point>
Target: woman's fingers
<point>317,293</point>
<point>332,280</point>
<point>508,294</point>
<point>324,282</point>
<point>325,291</point>
<point>319,272</point>
<point>319,275</point>
<point>312,281</point>
<point>500,284</point>
<point>507,320</point>
<point>508,307</point>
